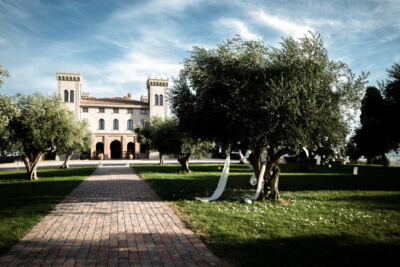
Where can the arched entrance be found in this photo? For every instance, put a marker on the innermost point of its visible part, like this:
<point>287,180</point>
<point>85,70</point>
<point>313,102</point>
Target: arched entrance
<point>131,149</point>
<point>99,148</point>
<point>115,148</point>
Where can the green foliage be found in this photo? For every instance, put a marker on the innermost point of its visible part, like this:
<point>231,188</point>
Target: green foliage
<point>76,136</point>
<point>3,74</point>
<point>8,112</point>
<point>160,134</point>
<point>391,92</point>
<point>24,203</point>
<point>283,97</point>
<point>40,124</point>
<point>333,216</point>
<point>166,136</point>
<point>371,138</point>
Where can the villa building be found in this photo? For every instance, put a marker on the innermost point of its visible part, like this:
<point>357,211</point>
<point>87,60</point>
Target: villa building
<point>113,120</point>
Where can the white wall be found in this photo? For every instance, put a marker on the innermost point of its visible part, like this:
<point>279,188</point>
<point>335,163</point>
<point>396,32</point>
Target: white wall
<point>93,116</point>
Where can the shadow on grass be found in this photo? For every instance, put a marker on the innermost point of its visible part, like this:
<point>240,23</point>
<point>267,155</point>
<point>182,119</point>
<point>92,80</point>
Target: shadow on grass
<point>298,251</point>
<point>317,250</point>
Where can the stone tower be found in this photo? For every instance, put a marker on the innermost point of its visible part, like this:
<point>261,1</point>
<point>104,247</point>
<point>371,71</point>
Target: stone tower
<point>157,98</point>
<point>69,89</point>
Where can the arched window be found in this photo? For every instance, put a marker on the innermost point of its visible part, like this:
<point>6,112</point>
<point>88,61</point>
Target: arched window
<point>71,96</point>
<point>156,100</point>
<point>66,96</point>
<point>116,124</point>
<point>101,124</point>
<point>161,100</point>
<point>130,125</point>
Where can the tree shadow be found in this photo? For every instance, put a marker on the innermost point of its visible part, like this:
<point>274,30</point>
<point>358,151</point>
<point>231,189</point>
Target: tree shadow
<point>310,250</point>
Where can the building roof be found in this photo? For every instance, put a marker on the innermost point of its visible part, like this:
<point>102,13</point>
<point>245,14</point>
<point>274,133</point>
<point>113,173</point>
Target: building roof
<point>112,101</point>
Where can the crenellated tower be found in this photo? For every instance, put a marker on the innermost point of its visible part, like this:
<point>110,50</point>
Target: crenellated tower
<point>69,89</point>
<point>157,97</point>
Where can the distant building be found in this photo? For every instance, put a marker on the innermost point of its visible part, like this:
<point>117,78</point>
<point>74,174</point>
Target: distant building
<point>113,120</point>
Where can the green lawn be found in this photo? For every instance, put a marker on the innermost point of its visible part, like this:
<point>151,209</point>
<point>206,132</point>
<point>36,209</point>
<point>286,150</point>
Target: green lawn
<point>335,218</point>
<point>23,203</point>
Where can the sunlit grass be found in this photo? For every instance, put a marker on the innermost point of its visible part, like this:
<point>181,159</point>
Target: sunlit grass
<point>334,217</point>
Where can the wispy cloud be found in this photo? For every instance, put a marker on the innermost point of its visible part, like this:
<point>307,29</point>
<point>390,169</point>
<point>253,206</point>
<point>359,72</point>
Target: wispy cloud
<point>238,27</point>
<point>282,25</point>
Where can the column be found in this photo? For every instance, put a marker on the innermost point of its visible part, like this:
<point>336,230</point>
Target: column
<point>107,154</point>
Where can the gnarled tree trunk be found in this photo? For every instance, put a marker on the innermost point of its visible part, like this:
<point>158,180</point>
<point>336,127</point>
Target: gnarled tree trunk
<point>269,189</point>
<point>65,165</point>
<point>183,159</point>
<point>31,165</point>
<point>273,181</point>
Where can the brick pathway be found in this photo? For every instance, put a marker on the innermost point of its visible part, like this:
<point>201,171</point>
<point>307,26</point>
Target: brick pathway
<point>113,218</point>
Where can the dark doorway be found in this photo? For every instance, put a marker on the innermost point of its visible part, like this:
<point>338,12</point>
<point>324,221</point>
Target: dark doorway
<point>131,148</point>
<point>115,149</point>
<point>99,148</point>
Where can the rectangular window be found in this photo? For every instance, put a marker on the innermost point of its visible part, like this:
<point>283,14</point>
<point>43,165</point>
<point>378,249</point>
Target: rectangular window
<point>116,110</point>
<point>85,109</point>
<point>101,110</point>
<point>130,110</point>
<point>142,111</point>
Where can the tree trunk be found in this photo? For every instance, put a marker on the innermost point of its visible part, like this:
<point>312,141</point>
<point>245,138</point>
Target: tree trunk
<point>273,182</point>
<point>162,159</point>
<point>32,165</point>
<point>65,165</point>
<point>184,161</point>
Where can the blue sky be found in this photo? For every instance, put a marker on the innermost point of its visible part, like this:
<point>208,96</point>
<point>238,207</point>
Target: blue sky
<point>118,44</point>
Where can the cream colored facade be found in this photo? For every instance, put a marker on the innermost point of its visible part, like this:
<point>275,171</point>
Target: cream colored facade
<point>113,120</point>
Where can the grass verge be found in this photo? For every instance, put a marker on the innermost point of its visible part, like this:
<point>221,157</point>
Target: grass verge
<point>23,203</point>
<point>335,217</point>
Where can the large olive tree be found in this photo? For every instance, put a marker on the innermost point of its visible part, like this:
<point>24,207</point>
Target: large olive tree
<point>271,100</point>
<point>38,128</point>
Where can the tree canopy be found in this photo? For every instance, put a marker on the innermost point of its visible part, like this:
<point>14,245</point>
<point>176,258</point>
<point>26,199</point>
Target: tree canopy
<point>166,136</point>
<point>76,137</point>
<point>38,128</point>
<point>371,136</point>
<point>391,93</point>
<point>273,99</point>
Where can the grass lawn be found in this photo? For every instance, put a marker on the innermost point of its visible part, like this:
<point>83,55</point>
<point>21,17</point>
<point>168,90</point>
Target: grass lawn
<point>335,218</point>
<point>23,203</point>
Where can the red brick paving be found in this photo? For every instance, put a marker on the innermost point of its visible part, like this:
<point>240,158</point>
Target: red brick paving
<point>113,218</point>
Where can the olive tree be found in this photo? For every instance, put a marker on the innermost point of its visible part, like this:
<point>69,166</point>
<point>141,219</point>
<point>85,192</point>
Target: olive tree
<point>166,136</point>
<point>7,112</point>
<point>270,100</point>
<point>38,128</point>
<point>76,138</point>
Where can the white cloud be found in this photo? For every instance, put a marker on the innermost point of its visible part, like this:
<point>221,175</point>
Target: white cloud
<point>156,7</point>
<point>285,26</point>
<point>238,27</point>
<point>136,67</point>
